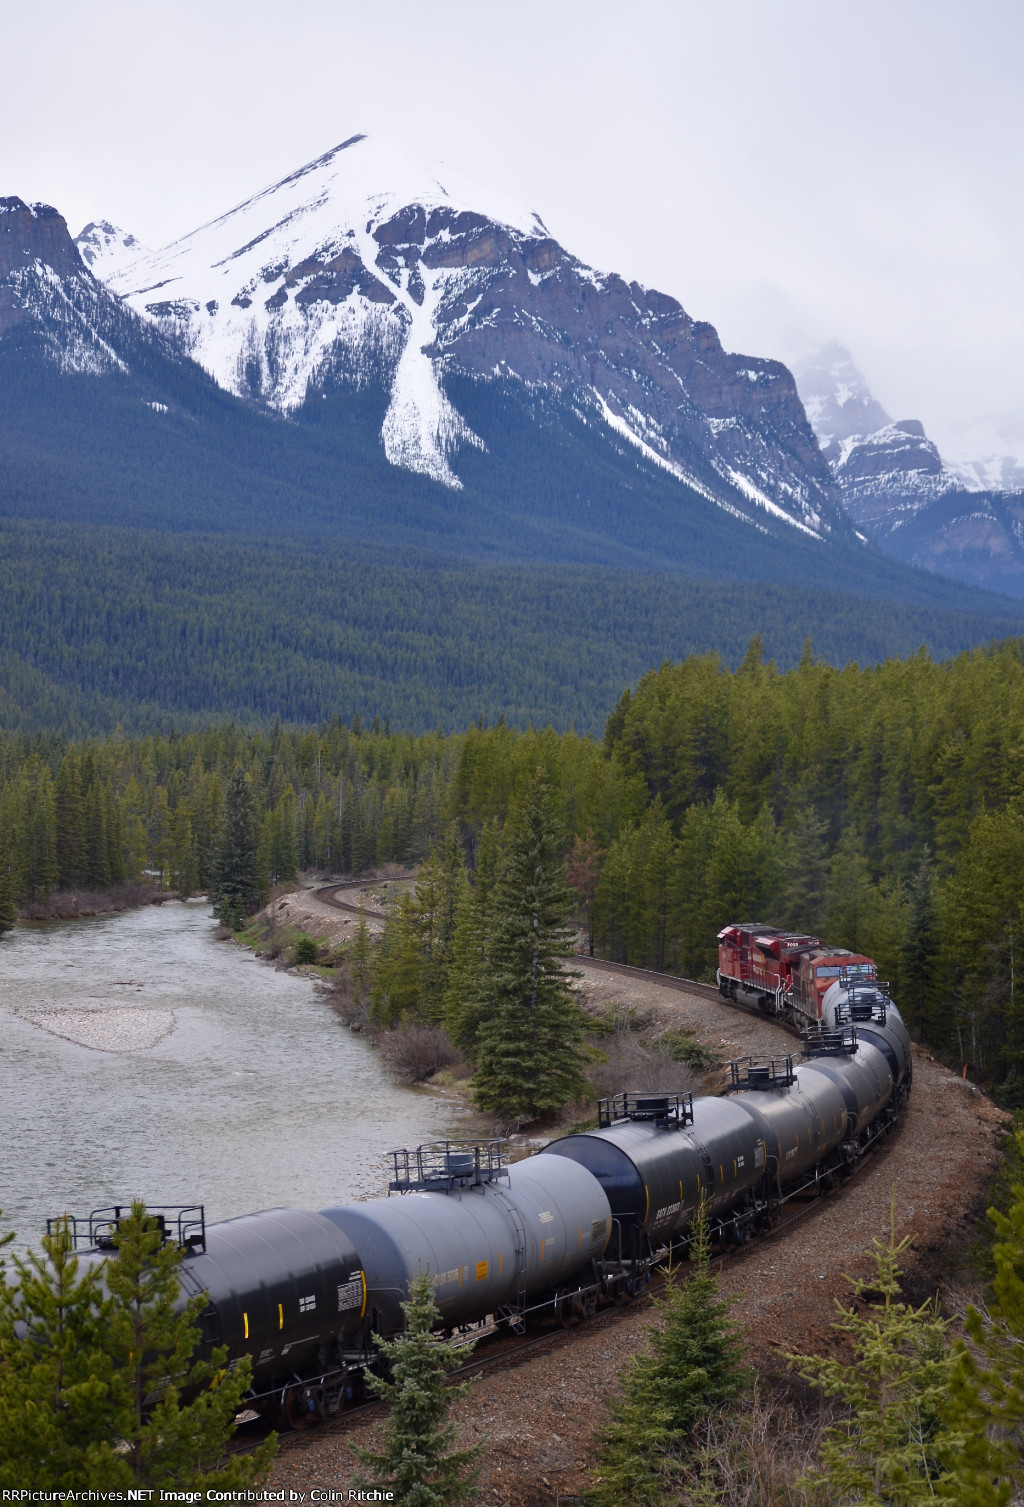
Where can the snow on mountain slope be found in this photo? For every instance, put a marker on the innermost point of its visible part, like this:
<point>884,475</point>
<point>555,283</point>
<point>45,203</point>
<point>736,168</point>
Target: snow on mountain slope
<point>106,248</point>
<point>369,268</point>
<point>44,287</point>
<point>263,296</point>
<point>836,397</point>
<point>898,489</point>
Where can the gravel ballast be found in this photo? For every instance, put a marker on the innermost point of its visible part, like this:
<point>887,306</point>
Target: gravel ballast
<point>539,1415</point>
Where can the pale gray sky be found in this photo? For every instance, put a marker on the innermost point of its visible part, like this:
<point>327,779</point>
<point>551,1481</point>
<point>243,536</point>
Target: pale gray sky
<point>790,170</point>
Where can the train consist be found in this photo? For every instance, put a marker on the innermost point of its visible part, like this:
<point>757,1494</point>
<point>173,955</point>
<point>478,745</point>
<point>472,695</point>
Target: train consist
<point>580,1224</point>
<point>783,973</point>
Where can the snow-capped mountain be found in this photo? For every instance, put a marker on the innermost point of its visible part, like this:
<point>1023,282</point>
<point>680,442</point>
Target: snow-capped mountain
<point>367,269</point>
<point>106,248</point>
<point>836,398</point>
<point>45,286</point>
<point>897,487</point>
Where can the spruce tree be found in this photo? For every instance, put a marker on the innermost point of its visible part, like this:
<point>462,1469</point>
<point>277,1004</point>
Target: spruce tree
<point>398,985</point>
<point>175,1414</point>
<point>529,1059</point>
<point>236,891</point>
<point>415,1458</point>
<point>803,872</point>
<point>692,1367</point>
<point>55,1374</point>
<point>891,1442</point>
<point>986,1397</point>
<point>8,909</point>
<point>361,959</point>
<point>98,1386</point>
<point>463,998</point>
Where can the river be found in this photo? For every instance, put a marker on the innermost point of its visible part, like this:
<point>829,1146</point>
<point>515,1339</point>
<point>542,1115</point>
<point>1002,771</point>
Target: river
<point>243,1091</point>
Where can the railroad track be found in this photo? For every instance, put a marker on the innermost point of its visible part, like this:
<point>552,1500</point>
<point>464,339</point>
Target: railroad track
<point>504,1354</point>
<point>329,895</point>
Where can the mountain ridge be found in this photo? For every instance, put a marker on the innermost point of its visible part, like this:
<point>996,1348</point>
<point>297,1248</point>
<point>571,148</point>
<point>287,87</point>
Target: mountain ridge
<point>328,277</point>
<point>898,489</point>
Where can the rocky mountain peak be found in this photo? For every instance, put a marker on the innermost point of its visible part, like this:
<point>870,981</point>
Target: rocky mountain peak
<point>368,268</point>
<point>105,248</point>
<point>836,397</point>
<point>35,232</point>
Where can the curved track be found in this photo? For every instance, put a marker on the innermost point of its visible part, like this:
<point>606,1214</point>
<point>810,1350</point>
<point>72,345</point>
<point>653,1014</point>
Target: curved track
<point>329,895</point>
<point>498,1350</point>
<point>502,1351</point>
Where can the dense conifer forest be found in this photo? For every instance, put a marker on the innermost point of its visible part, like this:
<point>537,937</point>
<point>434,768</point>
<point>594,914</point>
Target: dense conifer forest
<point>109,626</point>
<point>882,808</point>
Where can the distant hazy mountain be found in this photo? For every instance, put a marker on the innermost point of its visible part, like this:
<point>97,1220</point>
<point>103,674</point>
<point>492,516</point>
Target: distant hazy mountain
<point>898,489</point>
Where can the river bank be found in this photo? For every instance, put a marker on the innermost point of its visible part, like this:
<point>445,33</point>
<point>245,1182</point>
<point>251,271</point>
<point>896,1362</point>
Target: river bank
<point>77,905</point>
<point>145,1058</point>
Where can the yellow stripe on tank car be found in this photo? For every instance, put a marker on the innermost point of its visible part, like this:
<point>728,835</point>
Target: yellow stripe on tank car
<point>647,1206</point>
<point>362,1310</point>
<point>245,1326</point>
<point>280,1315</point>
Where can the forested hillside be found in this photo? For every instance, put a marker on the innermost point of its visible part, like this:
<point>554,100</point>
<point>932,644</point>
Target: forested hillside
<point>882,808</point>
<point>102,627</point>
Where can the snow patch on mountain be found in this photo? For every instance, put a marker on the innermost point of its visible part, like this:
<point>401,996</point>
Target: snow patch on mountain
<point>69,317</point>
<point>747,487</point>
<point>106,248</point>
<point>289,283</point>
<point>366,268</point>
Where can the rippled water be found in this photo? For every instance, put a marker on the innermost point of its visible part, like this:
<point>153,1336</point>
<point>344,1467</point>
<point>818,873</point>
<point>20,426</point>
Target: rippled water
<point>257,1097</point>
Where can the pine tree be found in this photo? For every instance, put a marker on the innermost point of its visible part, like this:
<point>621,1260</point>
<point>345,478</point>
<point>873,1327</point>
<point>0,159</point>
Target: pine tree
<point>803,870</point>
<point>150,1338</point>
<point>236,891</point>
<point>463,999</point>
<point>361,961</point>
<point>55,1374</point>
<point>70,835</point>
<point>986,1396</point>
<point>398,986</point>
<point>890,1445</point>
<point>8,909</point>
<point>692,1367</point>
<point>415,1459</point>
<point>183,862</point>
<point>529,1060</point>
<point>583,873</point>
<point>921,944</point>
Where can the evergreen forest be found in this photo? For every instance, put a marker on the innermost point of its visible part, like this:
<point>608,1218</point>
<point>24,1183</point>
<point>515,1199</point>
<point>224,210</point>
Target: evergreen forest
<point>881,808</point>
<point>105,626</point>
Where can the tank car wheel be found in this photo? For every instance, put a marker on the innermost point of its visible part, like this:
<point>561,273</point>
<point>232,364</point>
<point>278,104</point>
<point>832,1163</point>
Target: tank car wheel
<point>295,1408</point>
<point>570,1310</point>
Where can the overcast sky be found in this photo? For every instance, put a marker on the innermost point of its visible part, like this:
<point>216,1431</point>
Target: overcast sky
<point>790,171</point>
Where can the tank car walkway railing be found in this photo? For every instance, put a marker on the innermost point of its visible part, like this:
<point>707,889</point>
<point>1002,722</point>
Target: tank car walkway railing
<point>500,1353</point>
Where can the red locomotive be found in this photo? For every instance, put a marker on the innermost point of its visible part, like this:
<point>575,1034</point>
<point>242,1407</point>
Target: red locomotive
<point>784,973</point>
